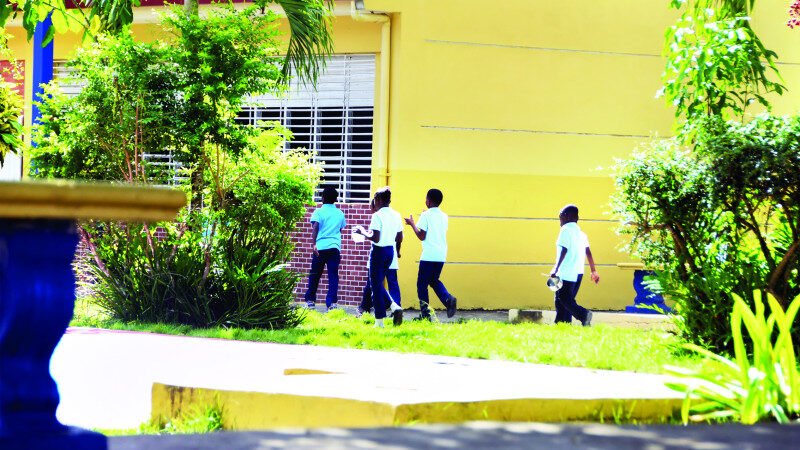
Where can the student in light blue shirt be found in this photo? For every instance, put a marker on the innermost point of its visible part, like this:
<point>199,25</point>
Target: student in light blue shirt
<point>327,223</point>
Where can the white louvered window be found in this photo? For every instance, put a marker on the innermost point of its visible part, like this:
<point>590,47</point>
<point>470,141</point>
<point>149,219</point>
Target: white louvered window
<point>334,122</point>
<point>65,75</point>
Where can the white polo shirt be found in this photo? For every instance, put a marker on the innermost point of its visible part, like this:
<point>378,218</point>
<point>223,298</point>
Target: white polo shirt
<point>385,221</point>
<point>575,241</point>
<point>434,223</point>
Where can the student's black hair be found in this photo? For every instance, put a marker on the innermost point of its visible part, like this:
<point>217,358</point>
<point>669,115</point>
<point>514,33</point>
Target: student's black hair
<point>384,195</point>
<point>435,196</point>
<point>329,195</point>
<point>569,212</point>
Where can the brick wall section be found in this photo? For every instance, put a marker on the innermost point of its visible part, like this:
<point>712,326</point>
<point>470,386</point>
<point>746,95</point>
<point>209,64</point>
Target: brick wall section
<point>352,269</point>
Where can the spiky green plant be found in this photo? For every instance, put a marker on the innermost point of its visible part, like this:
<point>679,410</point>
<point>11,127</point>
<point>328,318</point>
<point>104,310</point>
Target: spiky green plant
<point>760,382</point>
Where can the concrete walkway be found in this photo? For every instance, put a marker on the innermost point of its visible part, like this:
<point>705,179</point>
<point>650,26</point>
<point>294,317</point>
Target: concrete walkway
<point>612,318</point>
<point>107,378</point>
<point>495,436</point>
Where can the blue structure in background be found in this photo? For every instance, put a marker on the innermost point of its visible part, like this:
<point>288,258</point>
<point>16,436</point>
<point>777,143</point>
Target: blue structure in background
<point>42,64</point>
<point>646,302</point>
<point>37,297</point>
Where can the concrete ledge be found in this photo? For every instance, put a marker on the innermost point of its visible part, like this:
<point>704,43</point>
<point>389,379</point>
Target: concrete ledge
<point>524,315</point>
<point>243,410</point>
<point>643,321</point>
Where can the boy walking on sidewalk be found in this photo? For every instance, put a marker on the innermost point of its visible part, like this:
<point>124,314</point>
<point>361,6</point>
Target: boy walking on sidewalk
<point>572,246</point>
<point>432,231</point>
<point>327,223</point>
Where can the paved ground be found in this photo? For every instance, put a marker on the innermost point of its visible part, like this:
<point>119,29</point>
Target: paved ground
<point>106,379</point>
<point>615,318</point>
<point>487,435</point>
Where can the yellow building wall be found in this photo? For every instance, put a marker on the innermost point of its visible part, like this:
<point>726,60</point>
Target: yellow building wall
<point>515,108</point>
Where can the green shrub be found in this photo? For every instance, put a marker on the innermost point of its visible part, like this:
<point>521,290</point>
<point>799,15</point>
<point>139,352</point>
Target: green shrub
<point>220,266</point>
<point>718,220</point>
<point>10,127</point>
<point>761,381</point>
<point>223,262</point>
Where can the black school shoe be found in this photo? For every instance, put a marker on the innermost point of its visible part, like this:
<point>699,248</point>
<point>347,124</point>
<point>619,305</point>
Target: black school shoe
<point>421,317</point>
<point>588,321</point>
<point>451,307</point>
<point>397,317</point>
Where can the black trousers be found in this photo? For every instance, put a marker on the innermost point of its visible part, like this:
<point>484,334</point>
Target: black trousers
<point>566,305</point>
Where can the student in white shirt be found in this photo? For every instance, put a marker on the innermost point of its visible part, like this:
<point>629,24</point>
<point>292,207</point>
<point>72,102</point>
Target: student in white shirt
<point>572,247</point>
<point>391,275</point>
<point>432,231</point>
<point>385,233</point>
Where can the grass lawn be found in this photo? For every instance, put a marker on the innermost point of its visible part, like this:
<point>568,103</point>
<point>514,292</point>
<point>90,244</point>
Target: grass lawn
<point>597,347</point>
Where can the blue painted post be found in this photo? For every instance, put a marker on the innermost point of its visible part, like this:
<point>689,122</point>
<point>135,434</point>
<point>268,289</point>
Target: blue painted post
<point>42,64</point>
<point>646,302</point>
<point>37,297</point>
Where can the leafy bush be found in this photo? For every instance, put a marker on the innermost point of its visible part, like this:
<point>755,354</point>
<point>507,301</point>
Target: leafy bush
<point>223,262</point>
<point>10,127</point>
<point>720,220</point>
<point>747,388</point>
<point>223,265</point>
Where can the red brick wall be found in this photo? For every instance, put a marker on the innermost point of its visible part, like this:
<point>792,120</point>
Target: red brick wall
<point>352,269</point>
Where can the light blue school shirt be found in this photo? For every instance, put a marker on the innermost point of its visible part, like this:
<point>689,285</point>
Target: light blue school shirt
<point>331,222</point>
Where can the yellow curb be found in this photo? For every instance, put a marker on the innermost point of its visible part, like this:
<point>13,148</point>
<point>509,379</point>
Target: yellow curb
<point>260,410</point>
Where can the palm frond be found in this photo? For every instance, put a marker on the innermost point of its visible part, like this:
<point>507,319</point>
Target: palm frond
<point>310,40</point>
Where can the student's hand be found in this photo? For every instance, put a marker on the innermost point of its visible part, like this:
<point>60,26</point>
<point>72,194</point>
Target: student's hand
<point>360,229</point>
<point>398,253</point>
<point>595,277</point>
<point>410,220</point>
<point>553,273</point>
<point>316,252</point>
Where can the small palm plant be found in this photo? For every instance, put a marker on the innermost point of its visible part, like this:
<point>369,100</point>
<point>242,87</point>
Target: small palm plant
<point>761,384</point>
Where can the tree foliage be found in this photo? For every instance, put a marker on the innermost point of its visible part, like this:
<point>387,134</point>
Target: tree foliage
<point>310,32</point>
<point>10,126</point>
<point>717,220</point>
<point>223,263</point>
<point>716,64</point>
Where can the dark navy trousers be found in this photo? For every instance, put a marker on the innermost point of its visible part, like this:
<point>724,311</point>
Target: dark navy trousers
<point>429,273</point>
<point>566,305</point>
<point>380,258</point>
<point>331,259</point>
<point>394,291</point>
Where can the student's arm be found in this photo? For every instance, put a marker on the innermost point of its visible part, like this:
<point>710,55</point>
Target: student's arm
<point>374,228</point>
<point>398,241</point>
<point>560,260</point>
<point>314,233</point>
<point>420,233</point>
<point>376,236</point>
<point>595,276</point>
